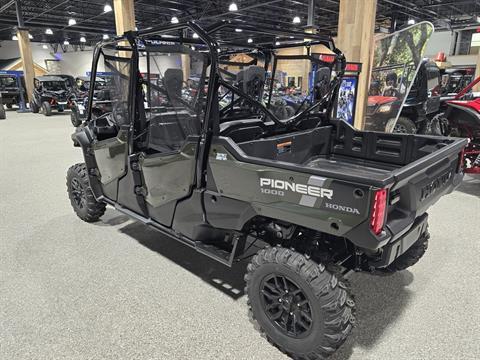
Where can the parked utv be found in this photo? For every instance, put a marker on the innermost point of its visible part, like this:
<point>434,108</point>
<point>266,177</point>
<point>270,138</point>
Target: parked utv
<point>318,197</point>
<point>421,104</point>
<point>461,118</point>
<point>101,100</point>
<point>3,115</point>
<point>9,90</point>
<point>51,92</point>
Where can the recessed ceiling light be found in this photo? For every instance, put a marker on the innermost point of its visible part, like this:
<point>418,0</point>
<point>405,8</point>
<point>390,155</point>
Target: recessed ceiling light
<point>82,39</point>
<point>107,8</point>
<point>66,42</point>
<point>233,7</point>
<point>250,40</point>
<point>296,20</point>
<point>193,48</point>
<point>30,36</point>
<point>49,32</point>
<point>174,20</point>
<point>238,30</point>
<point>105,37</point>
<point>44,46</point>
<point>72,22</point>
<point>277,43</point>
<point>14,37</point>
<point>195,35</point>
<point>411,21</point>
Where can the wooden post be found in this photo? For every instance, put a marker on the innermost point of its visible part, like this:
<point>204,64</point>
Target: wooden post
<point>124,20</point>
<point>124,16</point>
<point>27,60</point>
<point>356,25</point>
<point>477,73</point>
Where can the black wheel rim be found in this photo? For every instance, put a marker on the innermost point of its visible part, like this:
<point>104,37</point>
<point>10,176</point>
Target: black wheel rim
<point>286,305</point>
<point>78,193</point>
<point>400,129</point>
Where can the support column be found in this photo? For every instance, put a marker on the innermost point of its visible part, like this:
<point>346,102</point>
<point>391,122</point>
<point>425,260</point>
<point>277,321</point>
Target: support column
<point>356,25</point>
<point>27,60</point>
<point>124,16</point>
<point>124,21</point>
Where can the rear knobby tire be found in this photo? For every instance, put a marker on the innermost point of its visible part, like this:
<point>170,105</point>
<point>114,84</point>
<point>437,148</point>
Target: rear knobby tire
<point>75,118</point>
<point>409,258</point>
<point>403,125</point>
<point>81,196</point>
<point>323,296</point>
<point>34,108</point>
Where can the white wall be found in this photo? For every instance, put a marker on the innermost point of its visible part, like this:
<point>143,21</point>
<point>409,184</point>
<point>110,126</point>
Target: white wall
<point>439,41</point>
<point>72,62</point>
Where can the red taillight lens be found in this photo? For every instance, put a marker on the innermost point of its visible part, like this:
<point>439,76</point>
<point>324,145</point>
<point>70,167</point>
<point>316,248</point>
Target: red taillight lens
<point>379,211</point>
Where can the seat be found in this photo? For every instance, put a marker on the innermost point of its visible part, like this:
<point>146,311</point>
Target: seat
<point>242,130</point>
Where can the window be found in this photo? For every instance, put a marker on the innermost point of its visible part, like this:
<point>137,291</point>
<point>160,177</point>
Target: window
<point>174,93</point>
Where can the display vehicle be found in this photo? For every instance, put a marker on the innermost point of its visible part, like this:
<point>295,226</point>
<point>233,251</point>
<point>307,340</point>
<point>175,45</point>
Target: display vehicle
<point>51,92</point>
<point>3,115</point>
<point>420,105</point>
<point>101,99</point>
<point>10,90</point>
<point>461,118</point>
<point>318,197</point>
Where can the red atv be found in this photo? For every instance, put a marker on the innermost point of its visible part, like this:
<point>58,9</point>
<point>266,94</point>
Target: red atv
<point>462,119</point>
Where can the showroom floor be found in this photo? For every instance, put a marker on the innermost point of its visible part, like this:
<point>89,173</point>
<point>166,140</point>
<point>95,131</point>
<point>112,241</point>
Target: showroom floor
<point>119,290</point>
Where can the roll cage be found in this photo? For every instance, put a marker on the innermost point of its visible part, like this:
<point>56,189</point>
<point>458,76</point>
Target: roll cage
<point>211,37</point>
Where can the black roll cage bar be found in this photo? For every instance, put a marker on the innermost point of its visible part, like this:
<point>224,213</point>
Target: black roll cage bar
<point>206,38</point>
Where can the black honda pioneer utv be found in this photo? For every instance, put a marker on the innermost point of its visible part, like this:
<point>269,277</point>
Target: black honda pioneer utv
<point>319,197</point>
<point>51,92</point>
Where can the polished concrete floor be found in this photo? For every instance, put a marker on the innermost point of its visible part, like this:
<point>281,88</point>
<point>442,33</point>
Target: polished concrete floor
<point>118,290</point>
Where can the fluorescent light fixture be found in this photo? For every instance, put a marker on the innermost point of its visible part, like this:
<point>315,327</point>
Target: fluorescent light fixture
<point>107,8</point>
<point>411,21</point>
<point>250,40</point>
<point>72,22</point>
<point>30,36</point>
<point>14,37</point>
<point>66,42</point>
<point>233,7</point>
<point>49,32</point>
<point>238,30</point>
<point>174,20</point>
<point>45,46</point>
<point>136,28</point>
<point>105,37</point>
<point>296,20</point>
<point>277,43</point>
<point>195,35</point>
<point>82,39</point>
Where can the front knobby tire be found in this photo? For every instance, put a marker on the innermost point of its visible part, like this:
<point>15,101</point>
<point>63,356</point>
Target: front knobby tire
<point>81,196</point>
<point>302,308</point>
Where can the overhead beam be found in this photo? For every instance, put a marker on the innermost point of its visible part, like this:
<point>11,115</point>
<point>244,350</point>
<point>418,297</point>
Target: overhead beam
<point>356,27</point>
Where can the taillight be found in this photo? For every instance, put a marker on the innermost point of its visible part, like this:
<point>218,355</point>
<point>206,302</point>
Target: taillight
<point>379,211</point>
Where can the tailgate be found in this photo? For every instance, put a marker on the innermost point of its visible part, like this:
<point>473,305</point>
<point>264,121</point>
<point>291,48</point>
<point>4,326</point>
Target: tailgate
<point>420,184</point>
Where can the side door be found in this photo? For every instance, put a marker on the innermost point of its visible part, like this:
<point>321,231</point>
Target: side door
<point>112,129</point>
<point>173,114</point>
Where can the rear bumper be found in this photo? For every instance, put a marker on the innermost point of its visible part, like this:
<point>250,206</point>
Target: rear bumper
<point>398,247</point>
